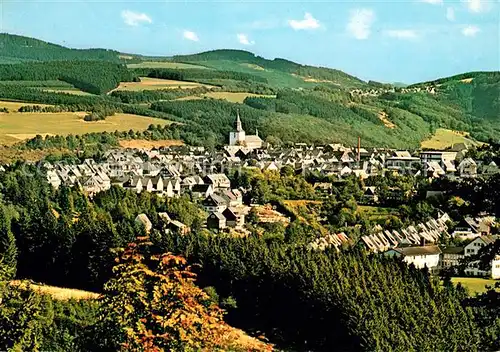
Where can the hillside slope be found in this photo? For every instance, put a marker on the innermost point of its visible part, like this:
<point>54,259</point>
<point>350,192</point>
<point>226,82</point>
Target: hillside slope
<point>244,61</point>
<point>16,48</point>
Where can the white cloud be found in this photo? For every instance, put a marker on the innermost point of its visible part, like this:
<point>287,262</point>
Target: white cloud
<point>243,39</point>
<point>432,2</point>
<point>450,14</point>
<point>402,33</point>
<point>308,23</point>
<point>190,36</point>
<point>474,5</point>
<point>470,31</point>
<point>360,23</point>
<point>132,18</point>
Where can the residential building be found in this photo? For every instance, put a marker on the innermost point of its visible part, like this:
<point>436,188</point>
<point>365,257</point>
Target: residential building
<point>421,256</point>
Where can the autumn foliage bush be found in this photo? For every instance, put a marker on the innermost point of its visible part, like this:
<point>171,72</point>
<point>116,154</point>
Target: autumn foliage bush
<point>152,304</point>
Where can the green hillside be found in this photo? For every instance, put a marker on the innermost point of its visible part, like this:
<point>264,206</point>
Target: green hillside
<point>244,61</point>
<point>15,49</point>
<point>303,103</point>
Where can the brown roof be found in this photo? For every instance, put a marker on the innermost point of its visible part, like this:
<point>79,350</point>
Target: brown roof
<point>420,250</point>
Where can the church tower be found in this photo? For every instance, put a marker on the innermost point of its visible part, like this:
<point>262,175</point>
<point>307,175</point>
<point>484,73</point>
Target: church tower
<point>237,137</point>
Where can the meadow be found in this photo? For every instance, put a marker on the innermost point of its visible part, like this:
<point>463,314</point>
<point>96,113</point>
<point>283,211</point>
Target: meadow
<point>444,138</point>
<point>229,96</point>
<point>165,64</point>
<point>15,127</point>
<point>474,284</point>
<point>147,83</point>
<point>13,106</point>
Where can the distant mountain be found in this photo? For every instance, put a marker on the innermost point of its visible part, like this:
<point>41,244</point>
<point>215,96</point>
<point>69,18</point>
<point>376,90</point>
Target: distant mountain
<point>16,48</point>
<point>245,61</point>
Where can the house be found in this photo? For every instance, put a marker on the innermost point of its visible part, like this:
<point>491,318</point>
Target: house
<point>495,268</point>
<point>234,197</point>
<point>420,256</point>
<point>451,257</point>
<point>173,225</point>
<point>467,168</point>
<point>134,183</point>
<point>216,221</point>
<point>235,217</point>
<point>157,183</point>
<point>324,188</point>
<point>202,191</point>
<point>370,195</point>
<point>53,179</point>
<point>215,203</point>
<point>144,221</point>
<point>473,247</point>
<point>218,181</point>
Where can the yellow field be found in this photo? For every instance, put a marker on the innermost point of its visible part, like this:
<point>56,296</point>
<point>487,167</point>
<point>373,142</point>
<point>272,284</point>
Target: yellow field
<point>164,64</point>
<point>18,126</point>
<point>231,97</point>
<point>68,91</point>
<point>474,284</point>
<point>147,83</point>
<point>145,144</point>
<point>14,105</point>
<point>59,293</point>
<point>444,138</point>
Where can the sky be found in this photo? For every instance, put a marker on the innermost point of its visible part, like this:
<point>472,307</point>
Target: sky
<point>385,40</point>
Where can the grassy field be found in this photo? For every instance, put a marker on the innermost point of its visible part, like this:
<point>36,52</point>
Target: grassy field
<point>13,106</point>
<point>474,284</point>
<point>18,126</point>
<point>164,64</point>
<point>444,138</point>
<point>68,91</point>
<point>229,96</point>
<point>377,213</point>
<point>147,83</point>
<point>59,293</point>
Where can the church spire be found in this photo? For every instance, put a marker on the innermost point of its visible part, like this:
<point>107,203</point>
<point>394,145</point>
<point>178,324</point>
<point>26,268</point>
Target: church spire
<point>238,122</point>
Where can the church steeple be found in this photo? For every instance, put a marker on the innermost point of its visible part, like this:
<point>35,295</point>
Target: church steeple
<point>239,128</point>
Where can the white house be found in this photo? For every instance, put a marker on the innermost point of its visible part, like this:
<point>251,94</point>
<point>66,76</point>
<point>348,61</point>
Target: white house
<point>421,256</point>
<point>495,268</point>
<point>479,242</point>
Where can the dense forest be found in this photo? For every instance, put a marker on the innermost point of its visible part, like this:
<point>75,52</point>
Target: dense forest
<point>90,76</point>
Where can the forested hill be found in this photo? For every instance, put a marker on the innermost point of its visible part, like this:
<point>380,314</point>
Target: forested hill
<point>15,48</point>
<point>219,59</point>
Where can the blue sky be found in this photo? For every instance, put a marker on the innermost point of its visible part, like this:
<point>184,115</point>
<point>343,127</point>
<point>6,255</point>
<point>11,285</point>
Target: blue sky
<point>390,40</point>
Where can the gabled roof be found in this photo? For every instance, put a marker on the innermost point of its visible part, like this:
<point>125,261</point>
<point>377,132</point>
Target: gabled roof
<point>420,250</point>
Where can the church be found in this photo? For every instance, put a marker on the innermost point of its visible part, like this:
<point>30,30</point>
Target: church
<point>239,137</point>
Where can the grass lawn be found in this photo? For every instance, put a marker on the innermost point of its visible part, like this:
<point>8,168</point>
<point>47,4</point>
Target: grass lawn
<point>474,284</point>
<point>147,83</point>
<point>444,138</point>
<point>375,213</point>
<point>18,126</point>
<point>165,64</point>
<point>13,106</point>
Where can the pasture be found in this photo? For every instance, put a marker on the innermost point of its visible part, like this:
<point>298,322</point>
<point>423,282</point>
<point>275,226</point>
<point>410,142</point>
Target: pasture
<point>229,96</point>
<point>444,138</point>
<point>15,127</point>
<point>13,106</point>
<point>147,83</point>
<point>58,293</point>
<point>474,284</point>
<point>165,64</point>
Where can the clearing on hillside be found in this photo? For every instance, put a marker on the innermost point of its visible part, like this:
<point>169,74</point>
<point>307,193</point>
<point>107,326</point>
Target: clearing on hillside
<point>59,293</point>
<point>474,284</point>
<point>444,138</point>
<point>13,106</point>
<point>229,96</point>
<point>68,91</point>
<point>15,127</point>
<point>146,144</point>
<point>385,119</point>
<point>147,83</point>
<point>165,64</point>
